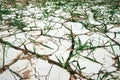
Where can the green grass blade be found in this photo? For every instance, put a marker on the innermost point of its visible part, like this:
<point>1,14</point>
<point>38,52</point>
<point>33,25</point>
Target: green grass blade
<point>60,62</point>
<point>3,56</point>
<point>93,60</point>
<point>46,46</point>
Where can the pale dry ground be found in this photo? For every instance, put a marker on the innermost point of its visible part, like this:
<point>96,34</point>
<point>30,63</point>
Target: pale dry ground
<point>28,66</point>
